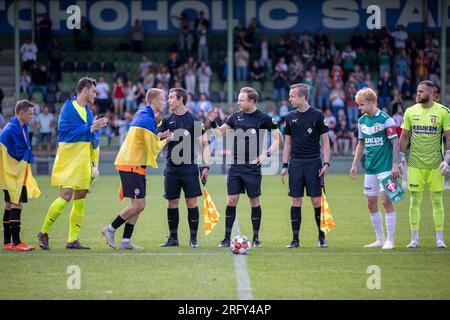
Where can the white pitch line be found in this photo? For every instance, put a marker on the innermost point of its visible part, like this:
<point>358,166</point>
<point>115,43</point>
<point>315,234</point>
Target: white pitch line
<point>240,265</point>
<point>211,254</point>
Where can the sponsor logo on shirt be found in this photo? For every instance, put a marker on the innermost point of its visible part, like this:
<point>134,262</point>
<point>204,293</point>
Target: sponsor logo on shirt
<point>424,129</point>
<point>374,141</point>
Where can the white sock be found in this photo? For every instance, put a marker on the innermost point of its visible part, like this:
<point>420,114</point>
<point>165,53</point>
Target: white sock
<point>110,228</point>
<point>390,225</point>
<point>377,223</point>
<point>125,240</point>
<point>415,235</point>
<point>440,235</point>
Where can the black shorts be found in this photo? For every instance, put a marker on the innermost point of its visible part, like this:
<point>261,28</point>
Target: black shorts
<point>242,178</point>
<point>133,185</point>
<point>23,196</point>
<point>177,179</point>
<point>305,173</point>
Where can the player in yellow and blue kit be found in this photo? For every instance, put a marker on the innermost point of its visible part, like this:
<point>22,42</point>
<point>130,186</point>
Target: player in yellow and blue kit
<point>423,126</point>
<point>75,167</point>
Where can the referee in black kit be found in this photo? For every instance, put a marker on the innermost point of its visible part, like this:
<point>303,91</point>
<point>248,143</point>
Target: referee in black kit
<point>245,172</point>
<point>186,134</point>
<point>306,130</point>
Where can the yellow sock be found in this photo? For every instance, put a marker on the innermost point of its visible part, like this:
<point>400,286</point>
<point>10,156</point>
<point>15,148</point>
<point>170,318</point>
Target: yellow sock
<point>53,213</point>
<point>76,218</point>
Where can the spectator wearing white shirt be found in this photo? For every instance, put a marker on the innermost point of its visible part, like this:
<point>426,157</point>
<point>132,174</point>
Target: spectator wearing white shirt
<point>25,81</point>
<point>204,74</point>
<point>242,57</point>
<point>103,100</point>
<point>45,122</point>
<point>143,66</point>
<point>400,37</point>
<point>29,53</point>
<point>203,105</point>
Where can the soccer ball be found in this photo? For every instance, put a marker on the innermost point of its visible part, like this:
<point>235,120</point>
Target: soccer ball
<point>240,245</point>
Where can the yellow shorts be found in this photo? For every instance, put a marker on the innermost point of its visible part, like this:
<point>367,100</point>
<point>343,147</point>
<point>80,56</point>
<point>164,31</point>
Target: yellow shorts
<point>418,178</point>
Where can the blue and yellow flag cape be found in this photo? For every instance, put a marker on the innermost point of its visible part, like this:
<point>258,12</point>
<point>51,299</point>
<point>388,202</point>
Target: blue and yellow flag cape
<point>142,144</point>
<point>78,145</point>
<point>15,161</point>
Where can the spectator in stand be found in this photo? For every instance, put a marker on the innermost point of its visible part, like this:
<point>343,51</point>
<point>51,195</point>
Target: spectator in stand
<point>39,80</point>
<point>123,125</point>
<point>103,100</point>
<point>130,102</point>
<point>55,56</point>
<point>223,70</point>
<point>321,39</point>
<point>431,45</point>
<point>45,32</point>
<point>172,65</point>
<point>337,99</point>
<point>323,59</point>
<point>136,34</point>
<point>279,81</point>
<point>362,59</point>
<point>336,74</point>
<point>201,26</point>
<point>257,73</point>
<point>281,49</point>
<point>310,81</point>
<point>284,110</point>
<point>83,36</point>
<point>29,53</point>
<point>139,95</point>
<point>372,47</point>
<point>384,58</point>
<point>163,77</point>
<point>385,86</point>
<point>333,47</point>
<point>241,57</point>
<point>143,66</point>
<point>46,123</point>
<point>408,89</point>
<point>190,75</point>
<point>204,74</point>
<point>203,105</point>
<point>348,57</point>
<point>254,36</point>
<point>119,96</point>
<point>352,106</point>
<point>398,118</point>
<point>307,55</point>
<point>400,38</point>
<point>358,39</point>
<point>25,81</point>
<point>190,103</point>
<point>265,59</point>
<point>304,37</point>
<point>345,139</point>
<point>323,89</point>
<point>435,69</point>
<point>368,81</point>
<point>185,37</point>
<point>331,123</point>
<point>150,78</point>
<point>397,101</point>
<point>402,67</point>
<point>295,69</point>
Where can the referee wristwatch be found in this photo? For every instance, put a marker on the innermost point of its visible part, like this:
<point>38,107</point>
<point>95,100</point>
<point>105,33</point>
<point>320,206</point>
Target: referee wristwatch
<point>326,164</point>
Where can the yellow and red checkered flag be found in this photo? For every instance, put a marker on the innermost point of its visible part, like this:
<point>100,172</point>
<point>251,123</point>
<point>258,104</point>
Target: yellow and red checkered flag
<point>326,220</point>
<point>210,213</point>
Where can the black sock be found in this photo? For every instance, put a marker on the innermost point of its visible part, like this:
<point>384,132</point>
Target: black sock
<point>296,221</point>
<point>173,217</point>
<point>6,227</point>
<point>230,216</point>
<point>128,230</point>
<point>193,217</point>
<point>256,220</point>
<point>14,221</point>
<point>118,222</point>
<point>317,216</point>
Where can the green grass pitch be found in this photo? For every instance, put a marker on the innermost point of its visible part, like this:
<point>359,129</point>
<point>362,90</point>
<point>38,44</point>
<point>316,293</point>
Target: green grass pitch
<point>274,272</point>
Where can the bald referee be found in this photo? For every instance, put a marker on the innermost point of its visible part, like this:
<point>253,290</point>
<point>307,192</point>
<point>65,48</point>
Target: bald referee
<point>305,144</point>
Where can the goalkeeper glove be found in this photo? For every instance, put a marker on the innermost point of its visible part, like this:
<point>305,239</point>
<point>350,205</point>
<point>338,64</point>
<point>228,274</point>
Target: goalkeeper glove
<point>94,173</point>
<point>444,167</point>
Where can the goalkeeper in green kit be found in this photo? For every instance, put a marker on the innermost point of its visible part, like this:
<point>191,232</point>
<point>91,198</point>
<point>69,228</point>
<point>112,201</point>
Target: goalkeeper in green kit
<point>423,126</point>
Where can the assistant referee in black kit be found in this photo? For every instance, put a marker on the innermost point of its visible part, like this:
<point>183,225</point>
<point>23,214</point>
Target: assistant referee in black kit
<point>305,144</point>
<point>245,172</point>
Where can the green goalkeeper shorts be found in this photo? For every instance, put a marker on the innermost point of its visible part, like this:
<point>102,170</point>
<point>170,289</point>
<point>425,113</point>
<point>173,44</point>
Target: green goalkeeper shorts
<point>418,178</point>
